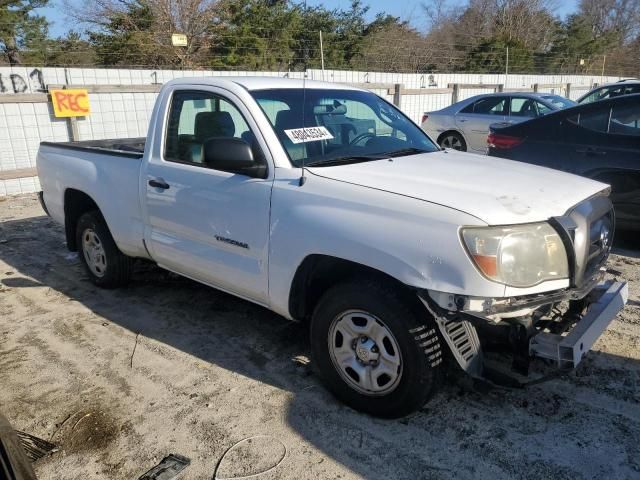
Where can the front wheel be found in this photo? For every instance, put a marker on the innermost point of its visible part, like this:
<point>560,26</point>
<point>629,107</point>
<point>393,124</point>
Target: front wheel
<point>106,265</point>
<point>375,351</point>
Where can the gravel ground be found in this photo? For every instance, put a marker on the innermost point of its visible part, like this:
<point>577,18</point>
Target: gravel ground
<point>120,379</point>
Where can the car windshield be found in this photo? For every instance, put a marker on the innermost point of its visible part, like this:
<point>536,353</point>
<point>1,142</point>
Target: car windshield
<point>340,126</point>
<point>559,102</point>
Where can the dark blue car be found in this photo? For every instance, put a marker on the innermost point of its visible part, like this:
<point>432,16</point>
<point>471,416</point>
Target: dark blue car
<point>599,140</point>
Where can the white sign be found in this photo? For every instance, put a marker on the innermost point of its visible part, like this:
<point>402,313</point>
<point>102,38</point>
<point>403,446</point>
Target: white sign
<point>179,40</point>
<point>309,134</point>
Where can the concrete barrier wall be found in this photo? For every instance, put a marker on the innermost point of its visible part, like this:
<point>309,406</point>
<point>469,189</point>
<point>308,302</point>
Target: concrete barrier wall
<point>26,115</point>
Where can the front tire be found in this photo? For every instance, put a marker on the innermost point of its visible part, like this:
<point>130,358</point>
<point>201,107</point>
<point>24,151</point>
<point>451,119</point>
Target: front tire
<point>374,350</point>
<point>105,264</point>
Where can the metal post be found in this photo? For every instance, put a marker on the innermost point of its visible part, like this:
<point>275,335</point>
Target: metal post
<point>73,129</point>
<point>455,93</point>
<point>321,55</point>
<point>72,122</point>
<point>397,92</point>
<point>568,91</point>
<point>506,70</point>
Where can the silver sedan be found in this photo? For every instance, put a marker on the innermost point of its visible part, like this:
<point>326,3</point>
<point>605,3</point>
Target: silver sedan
<point>465,125</point>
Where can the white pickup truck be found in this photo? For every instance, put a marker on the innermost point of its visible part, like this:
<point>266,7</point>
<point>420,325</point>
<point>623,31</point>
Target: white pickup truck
<point>325,203</point>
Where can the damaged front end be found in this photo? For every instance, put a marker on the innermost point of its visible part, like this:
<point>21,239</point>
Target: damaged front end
<point>561,331</point>
<point>559,326</point>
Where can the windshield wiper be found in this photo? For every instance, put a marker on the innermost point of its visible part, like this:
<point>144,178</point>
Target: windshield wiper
<point>406,151</point>
<point>345,160</point>
<point>364,158</point>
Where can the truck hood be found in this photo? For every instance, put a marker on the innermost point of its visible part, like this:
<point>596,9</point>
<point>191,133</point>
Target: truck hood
<point>494,190</point>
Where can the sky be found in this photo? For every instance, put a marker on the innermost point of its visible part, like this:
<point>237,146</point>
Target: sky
<point>409,10</point>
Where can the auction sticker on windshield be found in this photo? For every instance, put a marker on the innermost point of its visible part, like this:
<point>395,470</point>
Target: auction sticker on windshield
<point>309,134</point>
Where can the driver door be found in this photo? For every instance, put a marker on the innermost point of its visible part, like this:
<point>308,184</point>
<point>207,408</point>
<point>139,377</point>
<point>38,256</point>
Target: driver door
<point>207,224</point>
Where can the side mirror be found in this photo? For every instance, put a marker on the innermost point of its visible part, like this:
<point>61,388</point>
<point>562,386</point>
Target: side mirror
<point>232,155</point>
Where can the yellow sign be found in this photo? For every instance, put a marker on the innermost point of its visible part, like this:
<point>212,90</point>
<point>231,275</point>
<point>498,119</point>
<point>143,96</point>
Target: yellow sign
<point>179,40</point>
<point>70,103</point>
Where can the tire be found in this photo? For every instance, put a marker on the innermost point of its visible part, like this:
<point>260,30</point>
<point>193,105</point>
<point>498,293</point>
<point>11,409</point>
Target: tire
<point>452,140</point>
<point>106,265</point>
<point>365,306</point>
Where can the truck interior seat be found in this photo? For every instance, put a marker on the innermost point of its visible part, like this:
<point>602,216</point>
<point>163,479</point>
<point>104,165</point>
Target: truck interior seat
<point>209,125</point>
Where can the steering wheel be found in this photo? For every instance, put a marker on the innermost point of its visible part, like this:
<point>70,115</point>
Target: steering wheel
<point>362,136</point>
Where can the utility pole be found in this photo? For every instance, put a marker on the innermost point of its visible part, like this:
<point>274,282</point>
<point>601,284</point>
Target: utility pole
<point>321,55</point>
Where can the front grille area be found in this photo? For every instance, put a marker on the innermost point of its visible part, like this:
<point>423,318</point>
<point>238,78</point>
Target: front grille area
<point>600,240</point>
<point>590,226</point>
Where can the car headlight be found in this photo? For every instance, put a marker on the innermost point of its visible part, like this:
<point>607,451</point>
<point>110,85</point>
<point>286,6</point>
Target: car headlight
<point>518,256</point>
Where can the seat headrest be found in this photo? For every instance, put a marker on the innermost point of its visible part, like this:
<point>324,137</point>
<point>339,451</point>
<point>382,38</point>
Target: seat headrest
<point>288,119</point>
<point>214,124</point>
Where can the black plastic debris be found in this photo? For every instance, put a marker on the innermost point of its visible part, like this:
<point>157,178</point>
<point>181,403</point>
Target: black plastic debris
<point>169,468</point>
<point>35,447</point>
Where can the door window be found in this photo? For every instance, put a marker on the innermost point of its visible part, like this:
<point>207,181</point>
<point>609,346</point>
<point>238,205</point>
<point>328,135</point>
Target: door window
<point>523,107</point>
<point>488,106</point>
<point>194,118</point>
<point>543,109</point>
<point>604,93</point>
<point>597,120</point>
<point>632,89</point>
<point>625,120</point>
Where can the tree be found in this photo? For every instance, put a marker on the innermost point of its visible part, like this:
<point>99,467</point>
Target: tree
<point>619,19</point>
<point>126,36</point>
<point>601,33</point>
<point>393,46</point>
<point>138,32</point>
<point>256,34</point>
<point>22,33</point>
<point>576,46</point>
<point>282,35</point>
<point>71,50</point>
<point>477,34</point>
<point>490,56</point>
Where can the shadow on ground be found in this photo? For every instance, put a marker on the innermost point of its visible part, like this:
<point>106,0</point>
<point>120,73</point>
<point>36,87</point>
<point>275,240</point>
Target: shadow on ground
<point>627,243</point>
<point>574,427</point>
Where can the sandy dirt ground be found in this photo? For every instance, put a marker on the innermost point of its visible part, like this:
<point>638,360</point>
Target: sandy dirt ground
<point>210,370</point>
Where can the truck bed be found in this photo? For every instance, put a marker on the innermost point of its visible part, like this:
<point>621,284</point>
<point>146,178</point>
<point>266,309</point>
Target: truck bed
<point>123,147</point>
<point>108,172</point>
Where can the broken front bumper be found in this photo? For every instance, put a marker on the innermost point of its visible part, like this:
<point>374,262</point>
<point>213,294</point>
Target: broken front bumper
<point>567,350</point>
<point>564,339</point>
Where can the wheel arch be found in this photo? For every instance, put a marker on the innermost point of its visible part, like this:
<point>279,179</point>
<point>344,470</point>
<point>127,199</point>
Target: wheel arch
<point>318,272</point>
<point>76,204</point>
<point>457,132</point>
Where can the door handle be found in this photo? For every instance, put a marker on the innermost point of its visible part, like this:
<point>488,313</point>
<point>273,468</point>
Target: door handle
<point>462,119</point>
<point>591,151</point>
<point>158,183</point>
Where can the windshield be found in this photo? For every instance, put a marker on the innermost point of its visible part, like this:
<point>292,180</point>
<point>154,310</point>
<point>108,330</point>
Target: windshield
<point>559,102</point>
<point>340,126</point>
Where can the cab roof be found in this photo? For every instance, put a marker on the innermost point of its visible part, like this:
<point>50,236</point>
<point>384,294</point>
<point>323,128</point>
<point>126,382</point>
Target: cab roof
<point>261,83</point>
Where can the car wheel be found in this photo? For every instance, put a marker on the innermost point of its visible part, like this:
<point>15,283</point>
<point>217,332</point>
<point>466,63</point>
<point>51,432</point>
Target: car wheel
<point>376,351</point>
<point>106,265</point>
<point>453,140</point>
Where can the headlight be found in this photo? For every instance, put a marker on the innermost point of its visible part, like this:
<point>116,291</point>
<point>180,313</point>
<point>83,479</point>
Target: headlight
<point>518,256</point>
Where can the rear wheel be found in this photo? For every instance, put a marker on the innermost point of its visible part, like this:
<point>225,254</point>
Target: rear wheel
<point>106,265</point>
<point>453,140</point>
<point>375,351</point>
